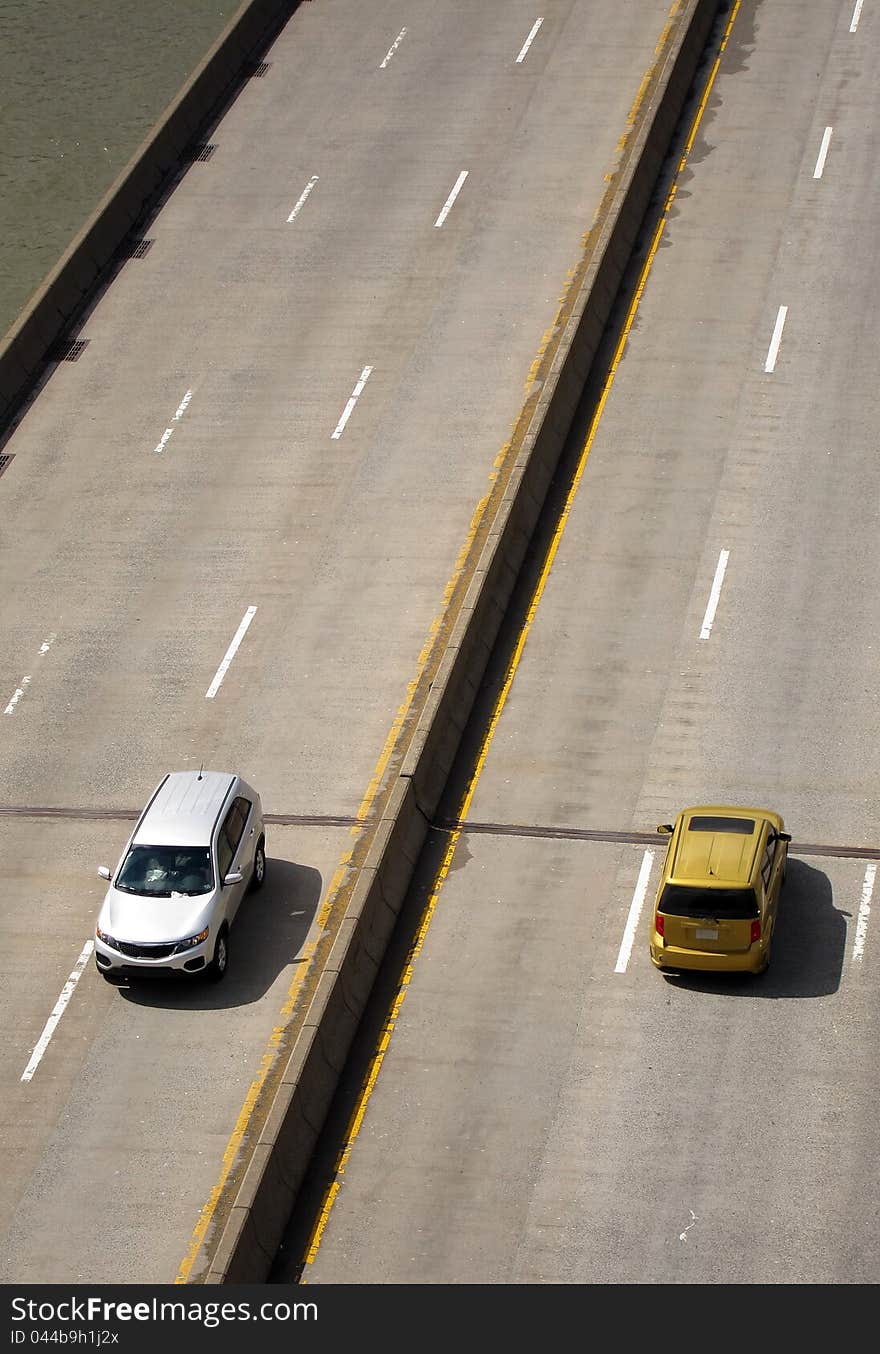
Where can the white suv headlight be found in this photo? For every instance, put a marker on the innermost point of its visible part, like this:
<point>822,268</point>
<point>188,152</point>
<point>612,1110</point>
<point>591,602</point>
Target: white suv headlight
<point>193,940</point>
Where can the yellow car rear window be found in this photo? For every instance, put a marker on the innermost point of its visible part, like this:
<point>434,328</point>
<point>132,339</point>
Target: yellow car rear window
<point>680,900</point>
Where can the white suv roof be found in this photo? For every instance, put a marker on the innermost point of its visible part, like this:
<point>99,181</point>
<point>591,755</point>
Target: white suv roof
<point>184,808</point>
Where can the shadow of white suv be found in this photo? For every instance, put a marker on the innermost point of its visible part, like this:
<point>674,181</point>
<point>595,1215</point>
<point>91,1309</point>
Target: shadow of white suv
<point>198,846</point>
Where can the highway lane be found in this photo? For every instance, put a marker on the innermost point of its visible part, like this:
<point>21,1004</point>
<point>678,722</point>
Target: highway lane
<point>201,463</point>
<point>549,1108</point>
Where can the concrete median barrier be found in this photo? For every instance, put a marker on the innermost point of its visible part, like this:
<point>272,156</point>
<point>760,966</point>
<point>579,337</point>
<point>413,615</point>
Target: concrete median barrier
<point>55,308</point>
<point>257,1215</point>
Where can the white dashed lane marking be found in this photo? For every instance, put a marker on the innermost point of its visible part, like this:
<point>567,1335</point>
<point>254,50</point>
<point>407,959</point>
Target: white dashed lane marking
<point>529,40</point>
<point>393,48</point>
<point>355,395</point>
<point>58,1011</point>
<point>175,418</point>
<point>302,197</point>
<point>635,912</point>
<point>773,350</point>
<point>26,681</point>
<point>864,911</point>
<point>823,151</point>
<point>714,594</point>
<point>451,199</point>
<point>230,653</point>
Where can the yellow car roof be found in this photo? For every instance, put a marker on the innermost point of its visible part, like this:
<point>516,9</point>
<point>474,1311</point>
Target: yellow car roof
<point>718,844</point>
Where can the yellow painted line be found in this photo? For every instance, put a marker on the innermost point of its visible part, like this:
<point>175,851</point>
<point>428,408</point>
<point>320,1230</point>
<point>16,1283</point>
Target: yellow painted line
<point>354,1125</point>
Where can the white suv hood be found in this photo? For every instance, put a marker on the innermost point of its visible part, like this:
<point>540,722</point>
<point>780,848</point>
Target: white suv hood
<point>154,921</point>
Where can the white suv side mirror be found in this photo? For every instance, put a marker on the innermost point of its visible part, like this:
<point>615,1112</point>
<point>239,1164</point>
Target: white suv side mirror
<point>104,871</point>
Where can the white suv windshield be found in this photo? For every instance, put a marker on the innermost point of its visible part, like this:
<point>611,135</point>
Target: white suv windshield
<point>160,871</point>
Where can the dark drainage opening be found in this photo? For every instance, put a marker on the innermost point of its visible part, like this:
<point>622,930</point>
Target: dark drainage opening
<point>135,249</point>
<point>68,350</point>
<point>5,458</point>
<point>258,68</point>
<point>201,153</point>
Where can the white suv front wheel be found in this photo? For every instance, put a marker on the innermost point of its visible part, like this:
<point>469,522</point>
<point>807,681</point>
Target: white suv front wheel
<point>259,873</point>
<point>219,964</point>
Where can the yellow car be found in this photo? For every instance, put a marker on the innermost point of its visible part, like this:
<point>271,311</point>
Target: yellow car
<point>719,889</point>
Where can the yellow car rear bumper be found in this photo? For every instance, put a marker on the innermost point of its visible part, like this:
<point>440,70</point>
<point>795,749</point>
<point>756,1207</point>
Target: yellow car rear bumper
<point>673,959</point>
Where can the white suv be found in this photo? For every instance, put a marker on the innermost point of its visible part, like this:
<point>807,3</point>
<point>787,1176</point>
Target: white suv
<point>198,846</point>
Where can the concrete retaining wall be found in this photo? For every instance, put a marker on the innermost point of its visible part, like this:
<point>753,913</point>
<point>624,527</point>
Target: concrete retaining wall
<point>72,283</point>
<point>255,1225</point>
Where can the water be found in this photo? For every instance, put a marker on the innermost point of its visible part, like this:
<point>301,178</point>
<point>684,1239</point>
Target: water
<point>82,82</point>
